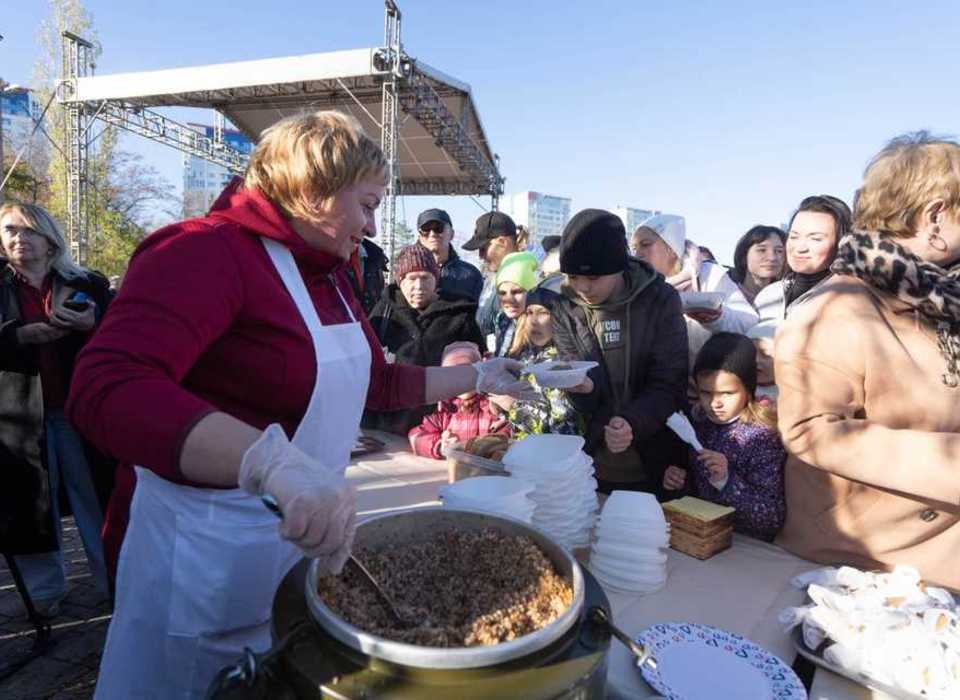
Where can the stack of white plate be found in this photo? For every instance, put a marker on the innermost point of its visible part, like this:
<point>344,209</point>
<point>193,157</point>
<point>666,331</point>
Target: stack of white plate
<point>630,541</point>
<point>564,490</point>
<point>499,495</point>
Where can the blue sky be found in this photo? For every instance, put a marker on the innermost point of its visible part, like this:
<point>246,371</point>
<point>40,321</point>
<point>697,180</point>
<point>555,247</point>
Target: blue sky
<point>729,113</point>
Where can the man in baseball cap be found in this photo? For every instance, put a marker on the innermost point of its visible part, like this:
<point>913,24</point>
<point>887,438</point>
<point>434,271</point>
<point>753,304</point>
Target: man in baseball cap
<point>458,278</point>
<point>495,237</point>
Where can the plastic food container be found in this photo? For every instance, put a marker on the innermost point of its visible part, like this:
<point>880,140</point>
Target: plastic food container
<point>570,374</point>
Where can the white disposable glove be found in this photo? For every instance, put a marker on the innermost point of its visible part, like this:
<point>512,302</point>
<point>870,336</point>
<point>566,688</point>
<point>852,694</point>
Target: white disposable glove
<point>319,507</point>
<point>501,375</point>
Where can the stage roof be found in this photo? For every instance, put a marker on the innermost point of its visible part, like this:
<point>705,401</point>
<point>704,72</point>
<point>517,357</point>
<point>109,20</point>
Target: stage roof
<point>255,94</point>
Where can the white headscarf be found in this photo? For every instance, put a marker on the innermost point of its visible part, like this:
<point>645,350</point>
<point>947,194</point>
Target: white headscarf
<point>672,230</point>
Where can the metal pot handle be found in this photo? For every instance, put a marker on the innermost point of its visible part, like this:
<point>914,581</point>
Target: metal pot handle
<point>641,653</point>
<point>253,667</point>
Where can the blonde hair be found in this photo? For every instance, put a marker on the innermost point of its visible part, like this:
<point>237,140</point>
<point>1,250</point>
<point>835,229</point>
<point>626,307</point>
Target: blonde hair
<point>40,220</point>
<point>760,414</point>
<point>521,337</point>
<point>755,413</point>
<point>910,172</point>
<point>301,162</point>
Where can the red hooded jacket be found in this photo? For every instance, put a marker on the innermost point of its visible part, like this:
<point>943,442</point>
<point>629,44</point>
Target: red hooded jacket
<point>203,323</point>
<point>464,421</point>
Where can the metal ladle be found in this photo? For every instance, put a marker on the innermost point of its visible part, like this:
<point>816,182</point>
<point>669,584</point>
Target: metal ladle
<point>641,653</point>
<point>271,503</point>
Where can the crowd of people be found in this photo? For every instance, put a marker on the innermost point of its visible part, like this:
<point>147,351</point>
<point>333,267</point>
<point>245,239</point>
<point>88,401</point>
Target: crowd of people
<point>820,370</point>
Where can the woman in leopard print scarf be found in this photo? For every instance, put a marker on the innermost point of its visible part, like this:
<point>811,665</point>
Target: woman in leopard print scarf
<point>882,262</point>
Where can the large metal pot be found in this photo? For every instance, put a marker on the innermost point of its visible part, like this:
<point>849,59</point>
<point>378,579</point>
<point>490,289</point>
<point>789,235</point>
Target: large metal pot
<point>418,525</point>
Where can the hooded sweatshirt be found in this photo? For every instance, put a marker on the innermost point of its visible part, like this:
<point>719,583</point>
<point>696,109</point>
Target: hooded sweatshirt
<point>640,340</point>
<point>203,323</point>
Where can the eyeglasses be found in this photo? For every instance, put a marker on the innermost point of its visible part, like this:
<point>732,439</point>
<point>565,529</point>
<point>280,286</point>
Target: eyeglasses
<point>12,230</point>
<point>435,229</point>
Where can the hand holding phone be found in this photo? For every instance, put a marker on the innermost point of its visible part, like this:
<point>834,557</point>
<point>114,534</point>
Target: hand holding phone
<point>76,313</point>
<point>78,301</point>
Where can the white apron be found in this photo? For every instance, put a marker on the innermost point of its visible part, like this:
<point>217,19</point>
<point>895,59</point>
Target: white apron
<point>198,568</point>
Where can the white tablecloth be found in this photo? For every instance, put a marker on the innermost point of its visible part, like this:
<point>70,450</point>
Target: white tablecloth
<point>741,590</point>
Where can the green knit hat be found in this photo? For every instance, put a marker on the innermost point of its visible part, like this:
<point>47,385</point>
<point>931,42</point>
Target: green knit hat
<point>519,268</point>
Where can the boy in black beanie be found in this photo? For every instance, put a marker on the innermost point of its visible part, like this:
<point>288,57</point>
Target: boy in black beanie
<point>621,313</point>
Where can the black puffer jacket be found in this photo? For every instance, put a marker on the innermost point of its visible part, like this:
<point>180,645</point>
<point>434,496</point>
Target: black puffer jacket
<point>26,525</point>
<point>655,337</point>
<point>418,338</point>
<point>374,265</point>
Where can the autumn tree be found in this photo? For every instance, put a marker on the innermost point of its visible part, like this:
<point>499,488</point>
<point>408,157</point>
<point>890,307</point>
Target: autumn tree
<point>126,197</point>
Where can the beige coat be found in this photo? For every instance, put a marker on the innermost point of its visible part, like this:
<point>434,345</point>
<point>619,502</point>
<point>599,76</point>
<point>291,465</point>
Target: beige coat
<point>873,477</point>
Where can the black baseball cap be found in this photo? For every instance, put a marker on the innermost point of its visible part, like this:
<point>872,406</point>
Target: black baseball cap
<point>433,215</point>
<point>489,226</point>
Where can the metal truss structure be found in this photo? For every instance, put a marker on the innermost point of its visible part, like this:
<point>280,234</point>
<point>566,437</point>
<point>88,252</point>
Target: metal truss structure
<point>391,61</point>
<point>156,127</point>
<point>430,131</point>
<point>78,55</point>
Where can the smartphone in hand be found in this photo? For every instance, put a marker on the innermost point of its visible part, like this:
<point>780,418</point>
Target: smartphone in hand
<point>78,301</point>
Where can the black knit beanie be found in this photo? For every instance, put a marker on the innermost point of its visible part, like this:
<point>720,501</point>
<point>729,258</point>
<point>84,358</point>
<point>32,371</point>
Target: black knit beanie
<point>594,242</point>
<point>541,296</point>
<point>730,352</point>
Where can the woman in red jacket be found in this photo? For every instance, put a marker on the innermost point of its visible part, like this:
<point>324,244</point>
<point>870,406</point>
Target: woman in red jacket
<point>235,363</point>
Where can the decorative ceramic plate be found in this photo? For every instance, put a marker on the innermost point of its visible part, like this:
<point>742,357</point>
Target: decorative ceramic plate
<point>699,662</point>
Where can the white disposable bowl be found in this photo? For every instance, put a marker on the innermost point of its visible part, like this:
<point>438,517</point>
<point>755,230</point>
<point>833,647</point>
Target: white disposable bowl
<point>483,488</point>
<point>550,452</point>
<point>546,376</point>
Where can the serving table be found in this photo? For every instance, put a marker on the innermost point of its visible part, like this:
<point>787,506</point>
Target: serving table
<point>742,589</point>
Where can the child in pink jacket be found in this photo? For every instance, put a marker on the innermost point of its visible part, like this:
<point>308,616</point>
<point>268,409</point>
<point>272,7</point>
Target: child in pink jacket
<point>467,416</point>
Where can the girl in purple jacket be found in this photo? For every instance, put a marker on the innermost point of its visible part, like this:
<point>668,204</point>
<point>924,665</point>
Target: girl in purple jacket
<point>741,464</point>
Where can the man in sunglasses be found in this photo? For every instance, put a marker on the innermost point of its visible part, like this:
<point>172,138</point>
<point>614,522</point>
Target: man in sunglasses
<point>458,278</point>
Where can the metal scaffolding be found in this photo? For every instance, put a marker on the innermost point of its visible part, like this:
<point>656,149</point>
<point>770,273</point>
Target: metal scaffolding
<point>440,150</point>
<point>156,127</point>
<point>390,61</point>
<point>78,55</point>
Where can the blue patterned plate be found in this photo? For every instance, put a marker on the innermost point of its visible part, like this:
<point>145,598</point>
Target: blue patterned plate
<point>697,662</point>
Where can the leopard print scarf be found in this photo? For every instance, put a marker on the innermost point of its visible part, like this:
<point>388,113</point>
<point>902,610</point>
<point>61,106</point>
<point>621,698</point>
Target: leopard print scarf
<point>933,291</point>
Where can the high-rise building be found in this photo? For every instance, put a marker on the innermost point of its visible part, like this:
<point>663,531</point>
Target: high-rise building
<point>203,181</point>
<point>541,214</point>
<point>19,110</point>
<point>632,218</point>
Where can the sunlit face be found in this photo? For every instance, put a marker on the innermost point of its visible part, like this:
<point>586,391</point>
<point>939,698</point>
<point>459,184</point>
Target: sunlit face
<point>765,259</point>
<point>812,242</point>
<point>497,249</point>
<point>764,348</point>
<point>722,395</point>
<point>513,299</point>
<point>595,289</point>
<point>349,216</point>
<point>419,289</point>
<point>23,246</point>
<point>539,325</point>
<point>648,246</point>
<point>435,236</point>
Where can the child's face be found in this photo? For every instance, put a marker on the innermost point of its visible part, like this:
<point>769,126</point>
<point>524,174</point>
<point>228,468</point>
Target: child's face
<point>722,395</point>
<point>764,348</point>
<point>539,325</point>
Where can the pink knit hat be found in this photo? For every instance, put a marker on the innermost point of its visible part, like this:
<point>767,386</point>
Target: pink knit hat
<point>415,258</point>
<point>460,353</point>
